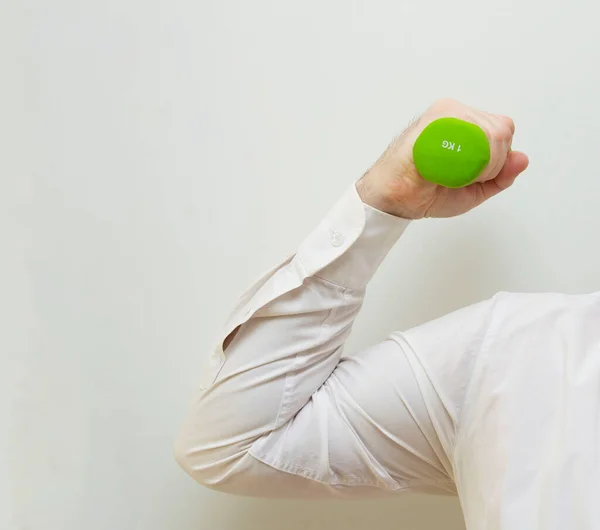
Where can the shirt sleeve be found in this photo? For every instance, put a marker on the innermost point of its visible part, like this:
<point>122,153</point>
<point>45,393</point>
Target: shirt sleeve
<point>280,413</point>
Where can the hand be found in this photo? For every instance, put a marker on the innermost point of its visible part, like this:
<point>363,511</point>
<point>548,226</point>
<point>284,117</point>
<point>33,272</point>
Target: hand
<point>393,184</point>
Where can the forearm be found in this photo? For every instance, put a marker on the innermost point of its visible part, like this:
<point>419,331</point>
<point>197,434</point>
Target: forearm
<point>291,343</point>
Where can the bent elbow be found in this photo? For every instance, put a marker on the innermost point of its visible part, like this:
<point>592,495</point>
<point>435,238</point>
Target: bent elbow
<point>216,466</point>
<point>198,462</point>
<point>182,454</point>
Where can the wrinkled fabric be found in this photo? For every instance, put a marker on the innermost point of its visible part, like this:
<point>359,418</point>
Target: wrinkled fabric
<point>497,402</point>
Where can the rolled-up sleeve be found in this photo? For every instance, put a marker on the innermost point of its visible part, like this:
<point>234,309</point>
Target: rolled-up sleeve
<point>280,413</point>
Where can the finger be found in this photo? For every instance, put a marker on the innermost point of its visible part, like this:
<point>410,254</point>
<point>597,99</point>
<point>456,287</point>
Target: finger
<point>516,163</point>
<point>500,129</point>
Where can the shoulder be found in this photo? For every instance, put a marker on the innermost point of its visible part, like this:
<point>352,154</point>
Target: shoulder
<point>522,308</point>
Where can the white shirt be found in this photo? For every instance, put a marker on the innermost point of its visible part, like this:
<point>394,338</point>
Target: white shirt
<point>498,402</point>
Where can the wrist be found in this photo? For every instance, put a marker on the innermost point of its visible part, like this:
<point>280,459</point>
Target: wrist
<point>371,193</point>
<point>398,196</point>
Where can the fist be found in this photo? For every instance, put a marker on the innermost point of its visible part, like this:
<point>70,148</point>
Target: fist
<point>394,185</point>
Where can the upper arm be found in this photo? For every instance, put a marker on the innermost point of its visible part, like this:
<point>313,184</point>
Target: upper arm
<point>384,421</point>
<point>367,430</point>
<point>388,416</point>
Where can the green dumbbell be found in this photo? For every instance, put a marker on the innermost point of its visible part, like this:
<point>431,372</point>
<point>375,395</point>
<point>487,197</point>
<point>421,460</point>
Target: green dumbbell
<point>451,152</point>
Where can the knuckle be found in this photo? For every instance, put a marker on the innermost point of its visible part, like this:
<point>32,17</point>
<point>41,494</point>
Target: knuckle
<point>508,124</point>
<point>505,133</point>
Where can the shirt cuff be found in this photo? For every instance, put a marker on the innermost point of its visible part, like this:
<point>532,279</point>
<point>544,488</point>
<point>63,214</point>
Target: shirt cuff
<point>351,242</point>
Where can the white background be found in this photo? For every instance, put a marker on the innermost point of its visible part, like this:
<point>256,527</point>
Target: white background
<point>156,157</point>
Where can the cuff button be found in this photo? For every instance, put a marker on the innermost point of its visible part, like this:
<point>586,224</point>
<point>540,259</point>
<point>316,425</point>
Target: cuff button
<point>337,238</point>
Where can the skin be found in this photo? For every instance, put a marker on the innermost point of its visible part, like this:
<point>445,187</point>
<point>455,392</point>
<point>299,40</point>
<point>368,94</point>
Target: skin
<point>394,186</point>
